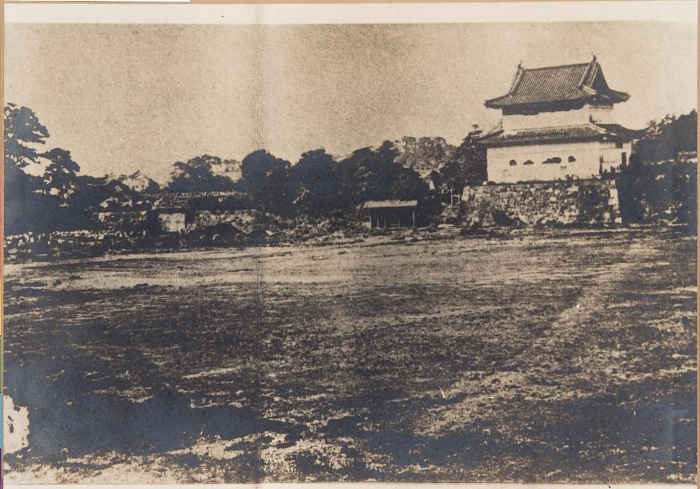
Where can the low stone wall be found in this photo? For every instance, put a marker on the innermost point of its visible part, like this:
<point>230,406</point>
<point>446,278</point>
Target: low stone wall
<point>563,203</point>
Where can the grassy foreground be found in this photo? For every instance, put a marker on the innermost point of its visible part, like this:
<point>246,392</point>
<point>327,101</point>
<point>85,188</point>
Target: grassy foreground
<point>555,356</point>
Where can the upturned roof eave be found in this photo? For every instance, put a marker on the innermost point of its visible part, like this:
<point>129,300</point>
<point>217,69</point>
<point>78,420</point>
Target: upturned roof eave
<point>613,96</point>
<point>616,96</point>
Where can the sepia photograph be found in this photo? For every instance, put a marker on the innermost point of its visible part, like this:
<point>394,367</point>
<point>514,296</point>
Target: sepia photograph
<point>359,243</point>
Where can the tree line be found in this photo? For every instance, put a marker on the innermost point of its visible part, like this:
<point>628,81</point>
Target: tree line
<point>317,185</point>
<point>660,185</point>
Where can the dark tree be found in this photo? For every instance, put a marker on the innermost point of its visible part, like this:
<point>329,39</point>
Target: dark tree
<point>22,129</point>
<point>105,194</point>
<point>58,200</point>
<point>664,139</point>
<point>197,175</point>
<point>23,205</point>
<point>660,184</point>
<point>60,177</point>
<point>468,164</point>
<point>372,174</point>
<point>266,180</point>
<point>314,184</point>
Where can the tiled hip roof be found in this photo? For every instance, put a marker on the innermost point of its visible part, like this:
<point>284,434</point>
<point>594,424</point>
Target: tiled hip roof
<point>558,84</point>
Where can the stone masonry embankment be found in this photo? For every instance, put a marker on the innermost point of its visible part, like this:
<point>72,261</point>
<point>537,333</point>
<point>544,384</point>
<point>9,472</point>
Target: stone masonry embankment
<point>566,203</point>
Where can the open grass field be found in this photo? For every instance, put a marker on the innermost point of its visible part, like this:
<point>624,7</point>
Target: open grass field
<point>558,356</point>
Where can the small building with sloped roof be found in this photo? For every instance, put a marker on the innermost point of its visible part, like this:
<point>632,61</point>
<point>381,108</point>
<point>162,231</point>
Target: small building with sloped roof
<point>557,123</point>
<point>390,213</point>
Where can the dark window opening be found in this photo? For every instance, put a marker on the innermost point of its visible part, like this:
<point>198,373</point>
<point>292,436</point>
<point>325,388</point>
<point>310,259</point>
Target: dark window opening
<point>554,160</point>
<point>529,162</point>
<point>513,163</point>
<point>572,159</point>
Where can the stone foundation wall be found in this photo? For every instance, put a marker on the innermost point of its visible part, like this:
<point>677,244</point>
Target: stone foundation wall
<point>567,203</point>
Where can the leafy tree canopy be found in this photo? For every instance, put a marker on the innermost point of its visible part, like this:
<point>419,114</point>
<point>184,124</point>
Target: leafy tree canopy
<point>468,164</point>
<point>60,177</point>
<point>261,165</point>
<point>372,174</point>
<point>266,179</point>
<point>198,175</point>
<point>314,183</point>
<point>664,139</point>
<point>22,129</point>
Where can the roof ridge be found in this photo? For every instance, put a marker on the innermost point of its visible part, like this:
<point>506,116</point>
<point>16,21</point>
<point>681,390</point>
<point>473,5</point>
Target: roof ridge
<point>597,127</point>
<point>556,66</point>
<point>591,74</point>
<point>568,126</point>
<point>517,79</point>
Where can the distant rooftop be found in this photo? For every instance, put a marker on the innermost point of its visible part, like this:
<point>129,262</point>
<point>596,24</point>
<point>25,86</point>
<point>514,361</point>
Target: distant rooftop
<point>556,84</point>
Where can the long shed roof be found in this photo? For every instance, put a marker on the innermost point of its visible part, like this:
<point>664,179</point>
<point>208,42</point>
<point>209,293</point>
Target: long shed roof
<point>390,204</point>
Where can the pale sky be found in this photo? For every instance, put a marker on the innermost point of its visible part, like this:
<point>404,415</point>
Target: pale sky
<point>137,96</point>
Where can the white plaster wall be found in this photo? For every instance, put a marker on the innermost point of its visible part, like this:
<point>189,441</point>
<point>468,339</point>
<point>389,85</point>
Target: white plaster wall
<point>545,119</point>
<point>601,114</point>
<point>587,163</point>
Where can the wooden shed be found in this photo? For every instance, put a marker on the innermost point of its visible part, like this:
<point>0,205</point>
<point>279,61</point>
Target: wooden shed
<point>390,213</point>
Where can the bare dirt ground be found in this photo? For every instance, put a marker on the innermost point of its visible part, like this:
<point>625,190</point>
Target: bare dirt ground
<point>558,356</point>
